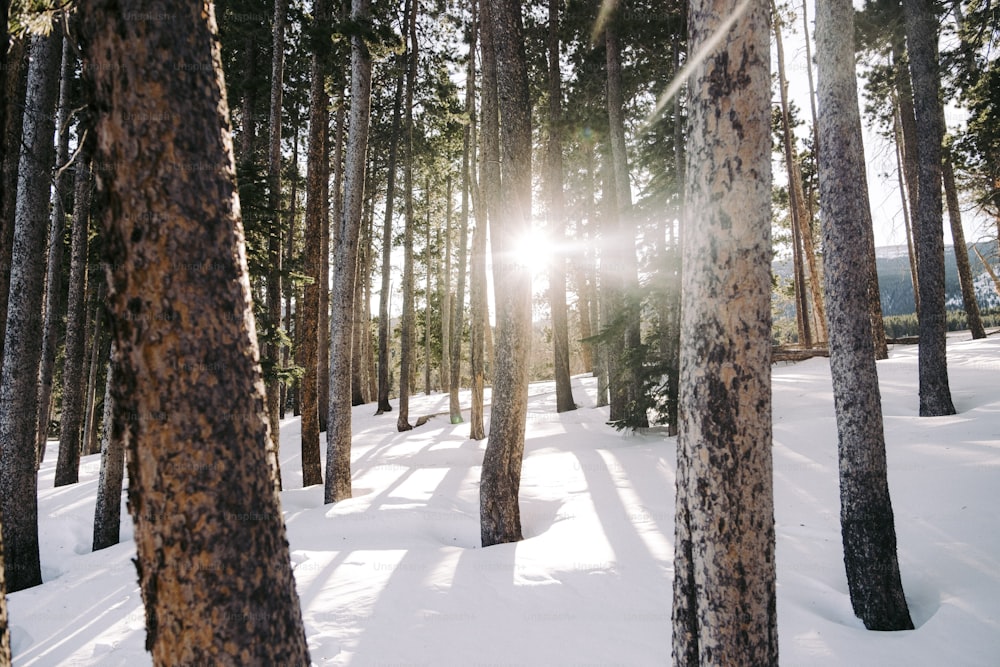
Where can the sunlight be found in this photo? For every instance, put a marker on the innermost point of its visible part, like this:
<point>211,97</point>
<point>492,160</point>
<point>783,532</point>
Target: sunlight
<point>533,251</point>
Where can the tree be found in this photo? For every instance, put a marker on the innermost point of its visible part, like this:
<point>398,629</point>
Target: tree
<point>724,584</point>
<point>557,272</point>
<point>272,350</point>
<point>961,249</point>
<point>212,554</point>
<point>107,511</point>
<point>317,175</point>
<point>406,326</point>
<point>53,282</point>
<point>74,399</point>
<point>390,197</point>
<point>21,352</point>
<point>922,35</point>
<point>338,432</point>
<point>499,512</point>
<point>867,526</point>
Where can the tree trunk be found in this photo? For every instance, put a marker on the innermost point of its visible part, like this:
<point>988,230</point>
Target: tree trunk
<point>499,512</point>
<point>22,352</point>
<point>345,268</point>
<point>867,527</point>
<point>200,492</point>
<point>624,244</point>
<point>961,249</point>
<point>385,291</point>
<point>15,90</point>
<point>557,224</point>
<point>53,279</point>
<point>406,327</point>
<point>96,341</point>
<point>427,289</point>
<point>71,419</point>
<point>907,223</point>
<point>612,318</point>
<point>107,513</point>
<point>922,34</point>
<point>273,347</point>
<point>479,320</point>
<point>445,295</point>
<point>326,234</point>
<point>724,583</point>
<point>317,174</point>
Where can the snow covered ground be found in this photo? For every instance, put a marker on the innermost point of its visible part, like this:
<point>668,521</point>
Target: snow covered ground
<point>396,576</point>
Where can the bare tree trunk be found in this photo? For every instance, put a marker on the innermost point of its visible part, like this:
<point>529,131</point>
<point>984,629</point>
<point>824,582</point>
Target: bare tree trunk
<point>53,279</point>
<point>90,443</point>
<point>273,348</point>
<point>107,512</point>
<point>427,289</point>
<point>867,526</point>
<point>22,352</point>
<point>317,174</point>
<point>15,90</point>
<point>385,290</point>
<point>907,222</point>
<point>922,34</point>
<point>499,511</point>
<point>326,237</point>
<point>345,267</point>
<point>406,328</point>
<point>624,244</point>
<point>71,419</point>
<point>557,225</point>
<point>200,489</point>
<point>961,249</point>
<point>444,291</point>
<point>724,610</point>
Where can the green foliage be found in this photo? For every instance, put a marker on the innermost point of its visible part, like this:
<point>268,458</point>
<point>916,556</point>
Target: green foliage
<point>903,326</point>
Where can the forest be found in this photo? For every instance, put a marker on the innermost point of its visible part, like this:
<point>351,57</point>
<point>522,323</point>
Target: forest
<point>322,324</point>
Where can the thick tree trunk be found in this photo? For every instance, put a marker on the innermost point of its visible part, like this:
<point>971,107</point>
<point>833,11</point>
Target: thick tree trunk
<point>922,34</point>
<point>71,419</point>
<point>385,290</point>
<point>557,225</point>
<point>15,90</point>
<point>724,584</point>
<point>53,279</point>
<point>867,527</point>
<point>317,174</point>
<point>499,512</point>
<point>21,352</point>
<point>345,268</point>
<point>107,512</point>
<point>406,326</point>
<point>200,492</point>
<point>961,249</point>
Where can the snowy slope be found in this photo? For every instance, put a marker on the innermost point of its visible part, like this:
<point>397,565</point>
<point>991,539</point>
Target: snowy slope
<point>395,575</point>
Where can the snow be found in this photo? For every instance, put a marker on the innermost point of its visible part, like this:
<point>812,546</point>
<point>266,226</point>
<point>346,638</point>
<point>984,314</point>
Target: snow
<point>395,575</point>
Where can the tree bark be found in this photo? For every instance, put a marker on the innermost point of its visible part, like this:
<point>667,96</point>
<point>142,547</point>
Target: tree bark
<point>22,353</point>
<point>345,267</point>
<point>273,347</point>
<point>557,225</point>
<point>489,189</point>
<point>317,174</point>
<point>961,249</point>
<point>427,289</point>
<point>107,512</point>
<point>445,294</point>
<point>96,341</point>
<point>53,279</point>
<point>500,516</point>
<point>71,420</point>
<point>724,610</point>
<point>326,239</point>
<point>867,526</point>
<point>200,493</point>
<point>385,291</point>
<point>406,326</point>
<point>922,34</point>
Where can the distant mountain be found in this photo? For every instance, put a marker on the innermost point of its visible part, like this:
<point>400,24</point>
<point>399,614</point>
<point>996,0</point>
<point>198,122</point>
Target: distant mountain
<point>896,288</point>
